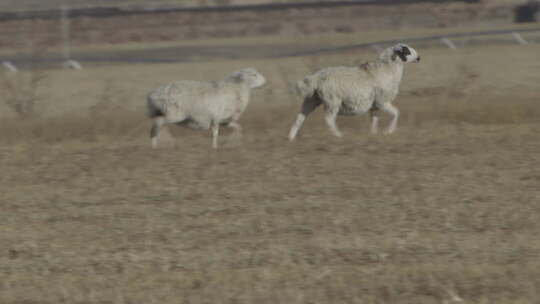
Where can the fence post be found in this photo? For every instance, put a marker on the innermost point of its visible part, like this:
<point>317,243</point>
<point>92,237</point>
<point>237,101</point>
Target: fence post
<point>10,66</point>
<point>519,38</point>
<point>66,38</point>
<point>448,43</point>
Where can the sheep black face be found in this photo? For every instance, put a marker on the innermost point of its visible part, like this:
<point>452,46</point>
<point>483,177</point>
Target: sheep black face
<point>405,53</point>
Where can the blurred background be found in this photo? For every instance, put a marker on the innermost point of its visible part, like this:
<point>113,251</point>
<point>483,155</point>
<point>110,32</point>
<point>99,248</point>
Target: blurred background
<point>48,26</point>
<point>443,211</point>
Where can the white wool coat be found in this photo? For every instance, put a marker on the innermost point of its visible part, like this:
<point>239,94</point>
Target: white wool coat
<point>354,90</point>
<point>201,104</point>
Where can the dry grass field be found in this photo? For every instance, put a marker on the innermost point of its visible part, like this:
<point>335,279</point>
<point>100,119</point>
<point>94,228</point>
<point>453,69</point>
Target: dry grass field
<point>444,211</point>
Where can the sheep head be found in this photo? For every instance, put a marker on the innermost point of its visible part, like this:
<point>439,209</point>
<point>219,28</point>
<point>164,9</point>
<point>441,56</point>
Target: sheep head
<point>401,52</point>
<point>250,76</point>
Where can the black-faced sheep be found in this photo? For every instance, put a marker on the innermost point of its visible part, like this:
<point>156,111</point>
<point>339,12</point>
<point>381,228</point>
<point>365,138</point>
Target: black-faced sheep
<point>356,90</point>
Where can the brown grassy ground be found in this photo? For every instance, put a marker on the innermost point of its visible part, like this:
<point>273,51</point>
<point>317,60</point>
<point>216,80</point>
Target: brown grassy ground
<point>446,209</point>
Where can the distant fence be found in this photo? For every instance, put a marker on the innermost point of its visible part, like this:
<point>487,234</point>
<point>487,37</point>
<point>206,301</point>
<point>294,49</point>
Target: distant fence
<point>126,11</point>
<point>515,35</point>
<point>445,39</point>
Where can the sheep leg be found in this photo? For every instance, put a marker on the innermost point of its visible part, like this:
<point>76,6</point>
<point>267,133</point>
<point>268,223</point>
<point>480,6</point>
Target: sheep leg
<point>309,105</point>
<point>236,127</point>
<point>374,114</point>
<point>154,131</point>
<point>215,133</point>
<point>394,112</point>
<point>330,118</point>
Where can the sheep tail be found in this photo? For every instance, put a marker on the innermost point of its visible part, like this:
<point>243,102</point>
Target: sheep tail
<point>307,86</point>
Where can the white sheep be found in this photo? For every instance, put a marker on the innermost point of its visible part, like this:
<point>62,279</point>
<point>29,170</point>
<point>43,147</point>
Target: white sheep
<point>203,105</point>
<point>356,90</point>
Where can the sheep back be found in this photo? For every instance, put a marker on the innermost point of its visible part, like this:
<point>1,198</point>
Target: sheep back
<point>349,88</point>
